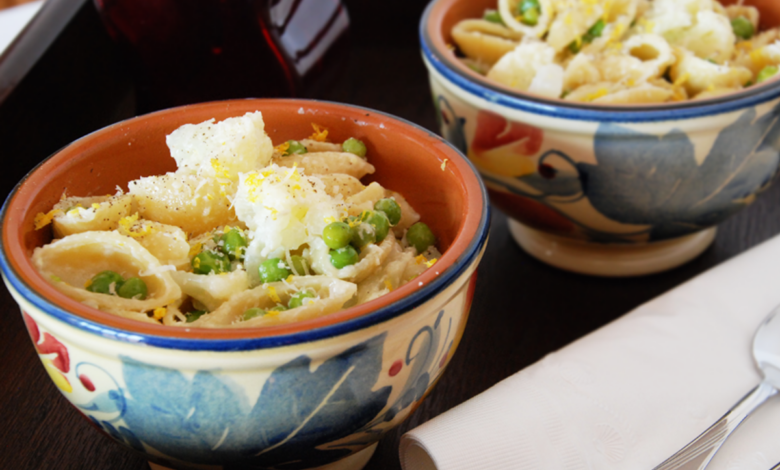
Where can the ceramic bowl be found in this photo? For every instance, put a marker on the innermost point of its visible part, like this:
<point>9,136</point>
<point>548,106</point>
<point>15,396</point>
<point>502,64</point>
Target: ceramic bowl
<point>314,394</point>
<point>604,190</point>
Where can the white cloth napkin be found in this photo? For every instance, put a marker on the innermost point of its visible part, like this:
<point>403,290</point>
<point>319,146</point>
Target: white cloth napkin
<point>630,394</point>
<point>14,19</point>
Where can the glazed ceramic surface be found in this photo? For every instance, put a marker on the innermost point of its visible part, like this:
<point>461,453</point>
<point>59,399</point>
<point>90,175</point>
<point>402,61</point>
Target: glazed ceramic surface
<point>318,394</point>
<point>619,176</point>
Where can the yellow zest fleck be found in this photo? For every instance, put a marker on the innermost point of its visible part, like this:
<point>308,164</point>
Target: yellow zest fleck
<point>159,313</point>
<point>746,45</point>
<point>209,197</point>
<point>431,262</point>
<point>568,20</point>
<point>289,278</point>
<point>129,226</point>
<point>320,133</point>
<point>389,285</point>
<point>95,205</point>
<point>420,259</point>
<point>649,26</point>
<point>282,148</point>
<point>196,263</point>
<point>273,295</point>
<point>711,87</point>
<point>219,169</point>
<point>88,283</point>
<point>607,7</point>
<point>42,220</point>
<point>330,220</point>
<point>195,249</point>
<point>596,94</point>
<point>630,82</point>
<point>444,164</point>
<point>682,79</point>
<point>620,28</point>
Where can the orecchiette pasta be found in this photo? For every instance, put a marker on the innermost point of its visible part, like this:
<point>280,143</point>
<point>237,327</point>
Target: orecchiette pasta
<point>242,234</point>
<point>616,51</point>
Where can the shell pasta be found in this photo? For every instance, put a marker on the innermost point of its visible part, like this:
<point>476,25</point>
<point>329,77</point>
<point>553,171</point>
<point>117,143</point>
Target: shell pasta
<point>620,51</point>
<point>242,234</point>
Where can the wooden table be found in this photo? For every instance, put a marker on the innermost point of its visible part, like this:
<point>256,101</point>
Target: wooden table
<point>522,309</point>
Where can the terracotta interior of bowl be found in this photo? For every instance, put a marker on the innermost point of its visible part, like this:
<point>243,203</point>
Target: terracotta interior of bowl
<point>447,13</point>
<point>408,159</point>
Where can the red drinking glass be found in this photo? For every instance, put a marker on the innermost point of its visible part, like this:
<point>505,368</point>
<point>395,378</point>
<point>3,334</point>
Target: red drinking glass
<point>189,51</point>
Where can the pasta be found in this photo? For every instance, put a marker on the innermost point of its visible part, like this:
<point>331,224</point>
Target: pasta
<point>242,234</point>
<point>620,51</point>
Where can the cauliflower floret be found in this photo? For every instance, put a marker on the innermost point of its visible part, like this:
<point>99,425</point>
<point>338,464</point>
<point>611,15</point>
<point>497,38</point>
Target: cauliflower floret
<point>694,25</point>
<point>530,67</point>
<point>222,149</point>
<point>283,210</point>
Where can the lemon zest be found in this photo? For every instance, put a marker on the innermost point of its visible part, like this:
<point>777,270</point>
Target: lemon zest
<point>596,94</point>
<point>159,313</point>
<point>320,133</point>
<point>42,220</point>
<point>682,79</point>
<point>389,285</point>
<point>431,262</point>
<point>195,249</point>
<point>273,295</point>
<point>283,148</point>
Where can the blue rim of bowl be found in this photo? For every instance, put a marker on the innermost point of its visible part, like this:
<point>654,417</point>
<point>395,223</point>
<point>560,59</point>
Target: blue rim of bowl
<point>415,299</point>
<point>582,112</point>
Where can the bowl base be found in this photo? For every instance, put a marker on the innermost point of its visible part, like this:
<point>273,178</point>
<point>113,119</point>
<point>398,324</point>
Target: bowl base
<point>613,260</point>
<point>356,461</point>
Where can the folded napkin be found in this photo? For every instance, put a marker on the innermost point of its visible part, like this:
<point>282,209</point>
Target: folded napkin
<point>630,394</point>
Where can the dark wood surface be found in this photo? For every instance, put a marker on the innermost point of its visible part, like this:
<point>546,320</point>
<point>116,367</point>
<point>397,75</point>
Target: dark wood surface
<point>522,309</point>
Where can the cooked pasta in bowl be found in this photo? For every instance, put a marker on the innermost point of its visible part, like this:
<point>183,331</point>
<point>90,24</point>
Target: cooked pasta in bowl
<point>213,260</point>
<point>615,134</point>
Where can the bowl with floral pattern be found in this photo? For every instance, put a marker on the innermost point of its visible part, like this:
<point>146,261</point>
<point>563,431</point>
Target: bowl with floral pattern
<point>318,393</point>
<point>599,184</point>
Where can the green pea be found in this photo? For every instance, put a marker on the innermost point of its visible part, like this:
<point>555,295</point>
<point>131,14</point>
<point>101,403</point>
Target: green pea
<point>526,5</point>
<point>208,261</point>
<point>391,209</point>
<point>295,147</point>
<point>133,288</point>
<point>234,244</point>
<point>337,235</point>
<point>345,256</point>
<point>530,17</point>
<point>352,145</point>
<point>296,300</point>
<point>362,234</point>
<point>194,315</point>
<point>253,312</point>
<point>379,221</point>
<point>273,270</point>
<point>742,27</point>
<point>420,237</point>
<point>299,264</point>
<point>101,282</point>
<point>766,73</point>
<point>493,16</point>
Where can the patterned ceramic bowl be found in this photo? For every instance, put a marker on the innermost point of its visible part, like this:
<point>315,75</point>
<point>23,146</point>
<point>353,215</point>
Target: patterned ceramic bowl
<point>314,394</point>
<point>606,190</point>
